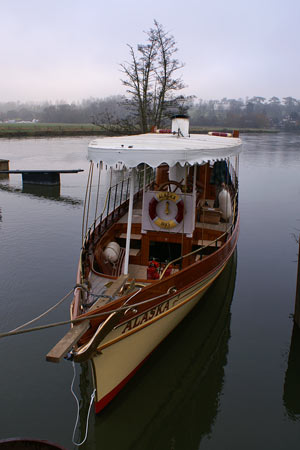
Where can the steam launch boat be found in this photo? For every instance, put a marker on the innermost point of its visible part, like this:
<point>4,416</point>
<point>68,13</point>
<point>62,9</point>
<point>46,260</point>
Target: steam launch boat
<point>168,227</point>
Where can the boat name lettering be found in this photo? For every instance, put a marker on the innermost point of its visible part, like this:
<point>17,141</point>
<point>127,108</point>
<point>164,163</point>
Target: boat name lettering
<point>148,315</point>
<point>167,196</point>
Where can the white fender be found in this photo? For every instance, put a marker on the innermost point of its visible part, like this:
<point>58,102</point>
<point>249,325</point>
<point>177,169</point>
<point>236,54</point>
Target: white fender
<point>112,252</point>
<point>225,204</point>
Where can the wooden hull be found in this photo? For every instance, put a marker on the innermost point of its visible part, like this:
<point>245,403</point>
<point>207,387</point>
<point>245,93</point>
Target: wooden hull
<point>149,258</point>
<point>125,349</point>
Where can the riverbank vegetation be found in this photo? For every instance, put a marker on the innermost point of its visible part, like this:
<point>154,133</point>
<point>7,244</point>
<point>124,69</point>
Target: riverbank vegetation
<point>20,130</point>
<point>77,119</point>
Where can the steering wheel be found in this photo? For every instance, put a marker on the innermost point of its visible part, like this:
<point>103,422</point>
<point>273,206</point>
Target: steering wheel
<point>167,186</point>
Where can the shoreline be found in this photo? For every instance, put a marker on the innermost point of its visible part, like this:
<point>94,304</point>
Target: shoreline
<point>28,130</point>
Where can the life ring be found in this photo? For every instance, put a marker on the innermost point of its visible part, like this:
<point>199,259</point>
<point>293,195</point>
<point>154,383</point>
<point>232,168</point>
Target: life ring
<point>168,196</point>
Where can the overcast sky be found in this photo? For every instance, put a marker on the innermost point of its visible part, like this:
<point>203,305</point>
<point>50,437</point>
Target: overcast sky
<point>71,49</point>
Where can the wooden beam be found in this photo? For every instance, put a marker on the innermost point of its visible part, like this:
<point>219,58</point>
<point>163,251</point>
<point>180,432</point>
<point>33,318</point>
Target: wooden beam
<point>67,342</point>
<point>75,333</point>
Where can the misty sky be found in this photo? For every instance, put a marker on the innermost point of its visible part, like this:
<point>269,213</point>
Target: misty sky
<point>71,49</point>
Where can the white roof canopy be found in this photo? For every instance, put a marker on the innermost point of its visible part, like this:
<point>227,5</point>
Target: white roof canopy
<point>155,149</point>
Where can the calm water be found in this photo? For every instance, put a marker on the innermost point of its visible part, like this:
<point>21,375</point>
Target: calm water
<point>227,378</point>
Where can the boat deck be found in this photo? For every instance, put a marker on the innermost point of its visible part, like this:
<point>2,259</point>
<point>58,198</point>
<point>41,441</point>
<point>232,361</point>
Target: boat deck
<point>138,269</point>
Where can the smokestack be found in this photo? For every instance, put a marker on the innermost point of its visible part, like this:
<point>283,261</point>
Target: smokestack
<point>181,125</point>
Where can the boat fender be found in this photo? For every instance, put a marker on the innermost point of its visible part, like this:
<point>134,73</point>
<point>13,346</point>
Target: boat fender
<point>112,252</point>
<point>225,204</point>
<point>168,196</point>
<point>219,133</point>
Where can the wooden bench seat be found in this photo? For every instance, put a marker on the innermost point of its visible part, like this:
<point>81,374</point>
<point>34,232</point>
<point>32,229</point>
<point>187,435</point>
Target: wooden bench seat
<point>205,243</point>
<point>135,237</point>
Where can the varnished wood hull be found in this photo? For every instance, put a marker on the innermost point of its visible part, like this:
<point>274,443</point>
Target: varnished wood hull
<point>130,343</point>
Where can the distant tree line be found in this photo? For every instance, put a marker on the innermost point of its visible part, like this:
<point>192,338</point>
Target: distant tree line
<point>255,112</point>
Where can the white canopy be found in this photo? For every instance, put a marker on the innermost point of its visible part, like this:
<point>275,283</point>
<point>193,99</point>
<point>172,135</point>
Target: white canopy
<point>155,149</point>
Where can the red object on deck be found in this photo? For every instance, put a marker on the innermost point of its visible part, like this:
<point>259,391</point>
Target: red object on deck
<point>152,270</point>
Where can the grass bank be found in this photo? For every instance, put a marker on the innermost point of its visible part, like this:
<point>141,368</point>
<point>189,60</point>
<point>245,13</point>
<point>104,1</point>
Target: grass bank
<point>20,130</point>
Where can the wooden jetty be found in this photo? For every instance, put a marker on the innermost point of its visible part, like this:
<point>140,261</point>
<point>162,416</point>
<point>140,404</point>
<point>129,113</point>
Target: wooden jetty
<point>49,177</point>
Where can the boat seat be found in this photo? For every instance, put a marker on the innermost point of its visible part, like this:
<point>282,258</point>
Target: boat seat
<point>206,243</point>
<point>133,237</point>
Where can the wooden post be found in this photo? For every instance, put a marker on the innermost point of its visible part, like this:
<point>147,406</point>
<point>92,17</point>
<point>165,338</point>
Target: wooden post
<point>4,165</point>
<point>297,301</point>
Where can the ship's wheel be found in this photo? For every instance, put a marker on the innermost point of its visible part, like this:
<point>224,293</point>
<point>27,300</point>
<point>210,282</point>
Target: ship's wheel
<point>172,186</point>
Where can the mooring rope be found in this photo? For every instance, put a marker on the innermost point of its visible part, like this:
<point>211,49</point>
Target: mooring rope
<point>44,313</point>
<point>78,409</point>
<point>80,319</point>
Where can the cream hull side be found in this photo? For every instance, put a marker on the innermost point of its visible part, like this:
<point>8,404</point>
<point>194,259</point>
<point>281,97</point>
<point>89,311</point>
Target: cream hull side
<point>123,351</point>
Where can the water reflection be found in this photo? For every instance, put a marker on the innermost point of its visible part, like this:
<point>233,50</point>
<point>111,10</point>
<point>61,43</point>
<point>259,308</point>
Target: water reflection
<point>174,399</point>
<point>47,192</point>
<point>273,149</point>
<point>291,394</point>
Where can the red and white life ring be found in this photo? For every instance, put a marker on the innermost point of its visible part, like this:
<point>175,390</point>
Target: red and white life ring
<point>166,196</point>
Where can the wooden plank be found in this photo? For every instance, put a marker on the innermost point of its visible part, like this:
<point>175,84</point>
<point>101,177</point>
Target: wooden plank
<point>67,342</point>
<point>112,290</point>
<point>136,237</point>
<point>75,333</point>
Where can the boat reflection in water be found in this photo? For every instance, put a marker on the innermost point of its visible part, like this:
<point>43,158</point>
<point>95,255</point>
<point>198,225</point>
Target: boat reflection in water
<point>48,192</point>
<point>173,402</point>
<point>291,394</point>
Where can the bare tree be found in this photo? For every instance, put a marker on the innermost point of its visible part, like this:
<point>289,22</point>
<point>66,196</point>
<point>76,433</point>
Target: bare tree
<point>151,81</point>
<point>138,80</point>
<point>166,83</point>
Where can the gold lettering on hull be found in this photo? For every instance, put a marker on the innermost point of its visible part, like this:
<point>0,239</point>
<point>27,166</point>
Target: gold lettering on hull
<point>146,316</point>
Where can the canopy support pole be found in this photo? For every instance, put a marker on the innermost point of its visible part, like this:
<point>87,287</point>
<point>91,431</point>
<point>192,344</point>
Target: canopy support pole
<point>194,194</point>
<point>131,194</point>
<point>144,186</point>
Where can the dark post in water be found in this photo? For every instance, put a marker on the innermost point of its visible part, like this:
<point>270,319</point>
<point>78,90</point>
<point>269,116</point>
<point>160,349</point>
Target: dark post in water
<point>297,302</point>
